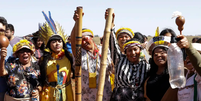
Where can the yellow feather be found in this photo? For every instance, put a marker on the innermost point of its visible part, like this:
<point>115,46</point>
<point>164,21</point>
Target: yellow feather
<point>157,32</point>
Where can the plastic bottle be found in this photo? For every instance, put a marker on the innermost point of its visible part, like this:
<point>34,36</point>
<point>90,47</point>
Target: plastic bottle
<point>176,66</point>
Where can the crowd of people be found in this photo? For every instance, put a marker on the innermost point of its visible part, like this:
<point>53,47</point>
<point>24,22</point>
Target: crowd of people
<point>42,68</point>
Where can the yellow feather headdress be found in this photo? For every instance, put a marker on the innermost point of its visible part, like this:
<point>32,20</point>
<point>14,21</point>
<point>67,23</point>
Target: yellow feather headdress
<point>22,44</point>
<point>87,30</point>
<point>50,29</point>
<point>158,41</point>
<point>125,30</point>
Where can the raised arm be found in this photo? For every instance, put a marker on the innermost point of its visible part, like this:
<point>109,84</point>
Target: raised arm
<point>3,53</point>
<point>113,15</point>
<point>193,54</point>
<point>73,37</point>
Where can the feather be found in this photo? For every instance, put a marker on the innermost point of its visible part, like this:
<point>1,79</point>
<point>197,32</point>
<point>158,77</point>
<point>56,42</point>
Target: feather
<point>176,14</point>
<point>157,32</point>
<point>49,22</point>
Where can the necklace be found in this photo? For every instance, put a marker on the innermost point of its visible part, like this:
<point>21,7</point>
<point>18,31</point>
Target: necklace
<point>92,76</point>
<point>58,56</point>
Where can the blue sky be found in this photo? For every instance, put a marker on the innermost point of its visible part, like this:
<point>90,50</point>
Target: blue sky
<point>139,15</point>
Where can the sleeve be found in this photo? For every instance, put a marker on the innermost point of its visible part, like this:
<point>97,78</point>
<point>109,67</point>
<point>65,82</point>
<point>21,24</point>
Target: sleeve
<point>7,67</point>
<point>195,58</point>
<point>114,47</point>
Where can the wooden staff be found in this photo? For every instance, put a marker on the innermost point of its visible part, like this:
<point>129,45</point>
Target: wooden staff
<point>78,57</point>
<point>101,81</point>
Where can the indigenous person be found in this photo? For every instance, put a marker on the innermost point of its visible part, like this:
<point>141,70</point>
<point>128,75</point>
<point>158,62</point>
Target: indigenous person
<point>91,56</point>
<point>143,53</point>
<point>21,74</point>
<point>192,91</point>
<point>157,86</point>
<point>168,32</point>
<point>55,65</point>
<point>117,40</point>
<point>10,35</point>
<point>132,71</point>
<point>39,45</point>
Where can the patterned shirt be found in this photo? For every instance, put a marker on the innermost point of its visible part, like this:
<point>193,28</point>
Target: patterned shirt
<point>21,80</point>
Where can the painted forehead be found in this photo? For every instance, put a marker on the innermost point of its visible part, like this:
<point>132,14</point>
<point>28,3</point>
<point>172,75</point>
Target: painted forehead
<point>86,37</point>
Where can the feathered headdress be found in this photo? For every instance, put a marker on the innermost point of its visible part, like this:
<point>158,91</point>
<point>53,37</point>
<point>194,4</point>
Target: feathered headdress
<point>22,44</point>
<point>50,28</point>
<point>125,30</point>
<point>157,40</point>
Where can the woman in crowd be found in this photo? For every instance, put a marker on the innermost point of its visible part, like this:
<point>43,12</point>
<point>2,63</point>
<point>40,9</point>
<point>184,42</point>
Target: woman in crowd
<point>168,32</point>
<point>55,65</point>
<point>21,74</point>
<point>132,71</point>
<point>39,45</point>
<point>141,38</point>
<point>90,63</point>
<point>157,86</point>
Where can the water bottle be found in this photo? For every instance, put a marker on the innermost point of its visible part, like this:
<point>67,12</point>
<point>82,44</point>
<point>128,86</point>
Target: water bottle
<point>176,66</point>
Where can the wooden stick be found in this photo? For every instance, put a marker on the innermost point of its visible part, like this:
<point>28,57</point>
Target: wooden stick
<point>78,57</point>
<point>101,81</point>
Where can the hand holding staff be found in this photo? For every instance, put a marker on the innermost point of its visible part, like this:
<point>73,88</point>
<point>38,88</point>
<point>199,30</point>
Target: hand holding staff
<point>113,16</point>
<point>102,74</point>
<point>78,34</point>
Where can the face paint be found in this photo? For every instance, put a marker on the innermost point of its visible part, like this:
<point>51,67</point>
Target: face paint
<point>87,43</point>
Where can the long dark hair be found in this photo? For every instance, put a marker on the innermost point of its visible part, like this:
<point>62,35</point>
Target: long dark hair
<point>47,56</point>
<point>168,30</point>
<point>35,42</point>
<point>154,67</point>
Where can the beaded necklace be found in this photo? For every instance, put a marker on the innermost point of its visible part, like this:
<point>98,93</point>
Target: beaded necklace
<point>58,56</point>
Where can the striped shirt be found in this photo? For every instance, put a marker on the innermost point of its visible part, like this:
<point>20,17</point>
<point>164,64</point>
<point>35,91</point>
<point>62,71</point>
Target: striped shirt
<point>114,48</point>
<point>131,75</point>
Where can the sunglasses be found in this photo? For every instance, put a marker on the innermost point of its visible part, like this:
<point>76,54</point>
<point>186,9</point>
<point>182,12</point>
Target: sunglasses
<point>24,50</point>
<point>2,30</point>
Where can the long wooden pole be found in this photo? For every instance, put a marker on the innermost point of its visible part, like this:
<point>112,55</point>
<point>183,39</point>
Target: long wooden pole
<point>101,81</point>
<point>78,57</point>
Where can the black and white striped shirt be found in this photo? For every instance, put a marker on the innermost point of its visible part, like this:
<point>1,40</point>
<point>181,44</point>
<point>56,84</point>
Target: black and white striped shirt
<point>131,75</point>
